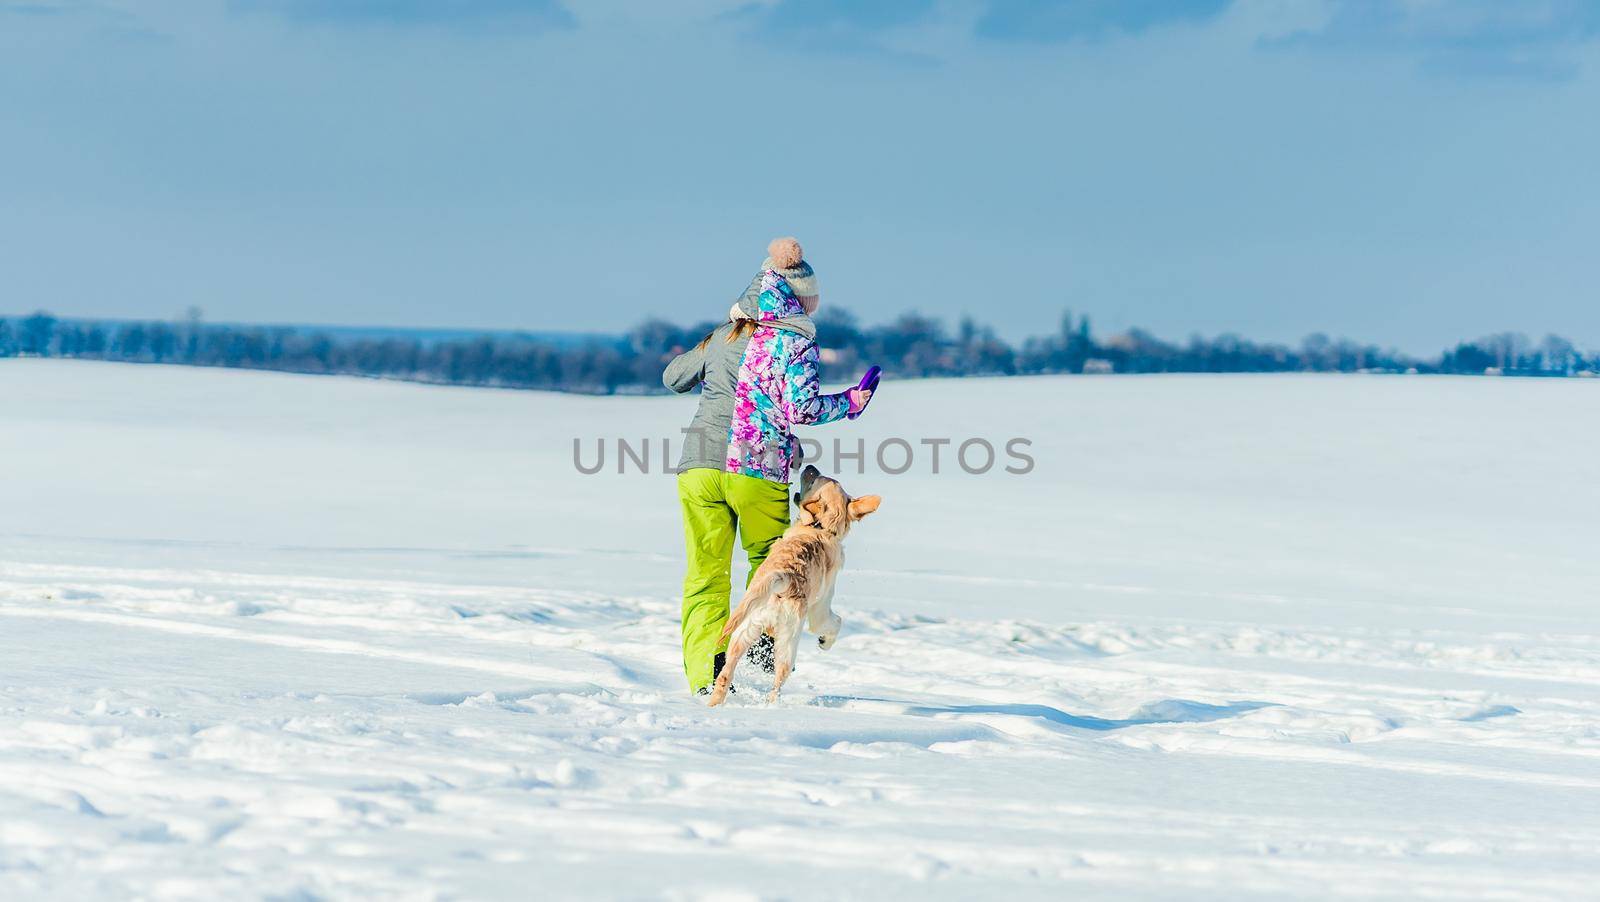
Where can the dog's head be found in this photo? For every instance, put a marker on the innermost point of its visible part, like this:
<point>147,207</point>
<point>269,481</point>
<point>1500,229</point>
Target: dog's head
<point>823,503</point>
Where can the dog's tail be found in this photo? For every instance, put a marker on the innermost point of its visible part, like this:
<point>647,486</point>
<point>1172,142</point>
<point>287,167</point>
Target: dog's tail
<point>764,587</point>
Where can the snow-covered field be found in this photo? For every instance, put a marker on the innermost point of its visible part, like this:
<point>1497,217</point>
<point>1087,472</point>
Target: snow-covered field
<point>1234,637</point>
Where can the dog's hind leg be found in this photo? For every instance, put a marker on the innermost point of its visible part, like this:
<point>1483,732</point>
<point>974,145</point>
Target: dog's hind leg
<point>736,650</point>
<point>787,641</point>
<point>780,673</point>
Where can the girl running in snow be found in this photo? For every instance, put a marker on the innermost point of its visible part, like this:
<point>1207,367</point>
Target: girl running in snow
<point>759,377</point>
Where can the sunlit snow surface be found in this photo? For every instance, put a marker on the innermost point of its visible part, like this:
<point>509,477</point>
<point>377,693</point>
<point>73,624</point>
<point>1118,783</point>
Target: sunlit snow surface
<point>265,635</point>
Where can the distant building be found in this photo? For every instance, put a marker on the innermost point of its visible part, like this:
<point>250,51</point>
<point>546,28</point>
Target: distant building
<point>1096,366</point>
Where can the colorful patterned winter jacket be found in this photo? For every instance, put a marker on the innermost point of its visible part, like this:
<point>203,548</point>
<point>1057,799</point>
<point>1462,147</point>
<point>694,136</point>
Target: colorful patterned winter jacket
<point>755,389</point>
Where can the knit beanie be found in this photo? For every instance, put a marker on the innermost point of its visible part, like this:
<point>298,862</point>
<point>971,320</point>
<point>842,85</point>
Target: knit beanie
<point>802,282</point>
<point>786,256</point>
<point>801,277</point>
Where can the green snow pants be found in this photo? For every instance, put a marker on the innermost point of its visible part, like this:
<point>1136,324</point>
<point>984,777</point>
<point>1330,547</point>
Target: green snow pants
<point>716,503</point>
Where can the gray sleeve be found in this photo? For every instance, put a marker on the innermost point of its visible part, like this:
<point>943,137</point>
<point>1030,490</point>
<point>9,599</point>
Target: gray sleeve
<point>686,370</point>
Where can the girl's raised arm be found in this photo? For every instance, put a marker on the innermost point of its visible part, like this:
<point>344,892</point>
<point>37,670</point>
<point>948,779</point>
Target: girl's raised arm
<point>803,401</point>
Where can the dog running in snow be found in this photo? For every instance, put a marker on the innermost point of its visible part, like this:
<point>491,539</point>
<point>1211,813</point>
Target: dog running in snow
<point>795,582</point>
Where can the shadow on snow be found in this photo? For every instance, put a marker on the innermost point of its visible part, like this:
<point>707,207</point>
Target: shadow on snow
<point>1168,711</point>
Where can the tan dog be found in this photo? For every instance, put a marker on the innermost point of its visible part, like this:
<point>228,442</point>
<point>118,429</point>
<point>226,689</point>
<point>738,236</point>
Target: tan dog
<point>795,582</point>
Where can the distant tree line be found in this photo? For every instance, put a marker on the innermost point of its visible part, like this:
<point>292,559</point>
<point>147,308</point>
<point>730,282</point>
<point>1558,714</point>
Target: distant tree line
<point>910,347</point>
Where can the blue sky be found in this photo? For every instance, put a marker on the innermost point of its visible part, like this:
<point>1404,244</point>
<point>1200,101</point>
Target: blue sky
<point>1403,172</point>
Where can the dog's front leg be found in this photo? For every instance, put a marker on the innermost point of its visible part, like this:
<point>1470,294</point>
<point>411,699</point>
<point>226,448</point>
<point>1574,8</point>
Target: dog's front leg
<point>826,640</point>
<point>822,620</point>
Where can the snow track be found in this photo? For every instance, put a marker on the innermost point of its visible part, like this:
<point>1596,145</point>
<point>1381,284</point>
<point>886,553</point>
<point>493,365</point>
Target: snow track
<point>337,703</point>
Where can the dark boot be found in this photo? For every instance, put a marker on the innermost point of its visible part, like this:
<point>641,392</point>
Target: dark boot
<point>761,654</point>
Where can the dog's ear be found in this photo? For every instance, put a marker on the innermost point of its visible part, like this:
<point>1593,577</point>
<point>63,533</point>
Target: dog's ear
<point>864,505</point>
<point>814,509</point>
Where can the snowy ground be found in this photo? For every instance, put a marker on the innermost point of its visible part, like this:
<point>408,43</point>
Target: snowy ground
<point>1235,637</point>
